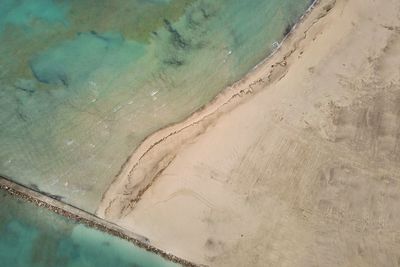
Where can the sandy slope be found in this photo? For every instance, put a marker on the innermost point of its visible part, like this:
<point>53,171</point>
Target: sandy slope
<point>303,172</point>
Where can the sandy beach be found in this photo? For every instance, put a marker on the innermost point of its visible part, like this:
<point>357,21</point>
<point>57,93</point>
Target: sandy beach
<point>295,165</point>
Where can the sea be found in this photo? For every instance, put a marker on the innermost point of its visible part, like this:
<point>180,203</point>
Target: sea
<point>84,82</point>
<point>36,237</point>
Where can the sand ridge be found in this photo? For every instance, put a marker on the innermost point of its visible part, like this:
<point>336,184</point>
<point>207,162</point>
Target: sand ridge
<point>155,153</point>
<point>302,172</point>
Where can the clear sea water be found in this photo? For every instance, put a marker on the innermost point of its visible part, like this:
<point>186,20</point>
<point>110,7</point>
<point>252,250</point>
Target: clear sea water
<point>83,82</point>
<point>36,237</point>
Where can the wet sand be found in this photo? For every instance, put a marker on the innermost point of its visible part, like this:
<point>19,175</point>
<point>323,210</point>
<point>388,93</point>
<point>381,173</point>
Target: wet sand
<point>296,165</point>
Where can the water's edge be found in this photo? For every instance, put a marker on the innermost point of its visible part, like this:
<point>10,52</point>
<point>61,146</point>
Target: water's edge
<point>222,99</point>
<point>73,125</point>
<point>80,216</point>
<point>50,202</point>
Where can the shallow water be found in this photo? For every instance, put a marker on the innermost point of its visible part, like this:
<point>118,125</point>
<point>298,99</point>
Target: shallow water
<point>82,83</point>
<point>36,237</point>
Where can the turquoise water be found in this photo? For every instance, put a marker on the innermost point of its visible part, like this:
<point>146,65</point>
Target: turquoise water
<point>83,82</point>
<point>36,237</point>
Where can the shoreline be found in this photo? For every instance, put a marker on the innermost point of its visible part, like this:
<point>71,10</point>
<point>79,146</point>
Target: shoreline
<point>260,75</point>
<point>230,97</point>
<point>79,216</point>
<point>296,164</point>
<point>305,172</point>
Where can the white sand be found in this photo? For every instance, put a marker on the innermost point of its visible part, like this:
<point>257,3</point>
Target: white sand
<point>303,172</point>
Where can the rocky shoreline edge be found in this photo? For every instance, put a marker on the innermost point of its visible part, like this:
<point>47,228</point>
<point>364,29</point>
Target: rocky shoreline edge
<point>40,200</point>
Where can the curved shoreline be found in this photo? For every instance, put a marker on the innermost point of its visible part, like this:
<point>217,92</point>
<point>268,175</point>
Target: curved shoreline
<point>304,172</point>
<point>229,98</point>
<point>260,75</point>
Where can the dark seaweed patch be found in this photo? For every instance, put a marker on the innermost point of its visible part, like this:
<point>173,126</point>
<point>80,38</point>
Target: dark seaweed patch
<point>288,29</point>
<point>25,89</point>
<point>206,15</point>
<point>197,16</point>
<point>102,37</point>
<point>174,62</point>
<point>177,39</point>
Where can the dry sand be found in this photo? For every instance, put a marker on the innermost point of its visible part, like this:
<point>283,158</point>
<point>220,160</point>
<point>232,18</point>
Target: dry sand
<point>302,171</point>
